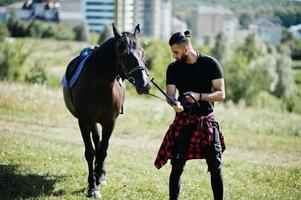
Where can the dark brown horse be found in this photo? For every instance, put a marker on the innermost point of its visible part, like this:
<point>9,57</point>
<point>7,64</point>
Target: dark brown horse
<point>97,96</point>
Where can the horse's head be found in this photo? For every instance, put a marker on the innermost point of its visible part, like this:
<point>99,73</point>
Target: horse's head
<point>130,59</point>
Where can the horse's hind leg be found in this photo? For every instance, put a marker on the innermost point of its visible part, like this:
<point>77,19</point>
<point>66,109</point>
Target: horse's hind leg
<point>85,129</point>
<point>101,154</point>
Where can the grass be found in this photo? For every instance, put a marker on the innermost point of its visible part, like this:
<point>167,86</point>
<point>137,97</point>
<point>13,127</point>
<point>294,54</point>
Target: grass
<point>296,64</point>
<point>297,76</point>
<point>41,151</point>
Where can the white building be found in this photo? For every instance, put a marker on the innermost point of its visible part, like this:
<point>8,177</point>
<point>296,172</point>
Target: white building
<point>207,22</point>
<point>268,31</point>
<point>3,14</point>
<point>71,13</point>
<point>165,19</point>
<point>295,31</point>
<point>178,25</point>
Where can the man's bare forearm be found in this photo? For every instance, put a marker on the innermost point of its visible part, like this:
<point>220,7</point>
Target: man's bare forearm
<point>213,97</point>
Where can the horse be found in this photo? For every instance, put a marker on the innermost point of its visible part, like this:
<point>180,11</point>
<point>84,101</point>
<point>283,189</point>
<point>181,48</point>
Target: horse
<point>99,93</point>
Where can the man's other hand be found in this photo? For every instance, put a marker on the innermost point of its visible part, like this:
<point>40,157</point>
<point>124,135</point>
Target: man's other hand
<point>178,108</point>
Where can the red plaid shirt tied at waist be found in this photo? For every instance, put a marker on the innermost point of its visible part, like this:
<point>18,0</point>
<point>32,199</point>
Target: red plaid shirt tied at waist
<point>201,137</point>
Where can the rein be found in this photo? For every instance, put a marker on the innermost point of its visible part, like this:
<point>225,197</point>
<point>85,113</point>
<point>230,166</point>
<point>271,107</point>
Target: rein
<point>170,99</point>
<point>158,87</point>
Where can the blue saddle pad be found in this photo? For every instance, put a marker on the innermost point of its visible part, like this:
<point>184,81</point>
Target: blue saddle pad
<point>75,67</point>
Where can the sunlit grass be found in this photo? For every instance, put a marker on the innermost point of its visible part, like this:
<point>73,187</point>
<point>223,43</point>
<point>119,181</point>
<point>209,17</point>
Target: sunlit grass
<point>42,153</point>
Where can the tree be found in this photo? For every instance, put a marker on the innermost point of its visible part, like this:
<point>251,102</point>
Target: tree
<point>105,34</point>
<point>286,83</point>
<point>244,20</point>
<point>81,32</point>
<point>219,49</point>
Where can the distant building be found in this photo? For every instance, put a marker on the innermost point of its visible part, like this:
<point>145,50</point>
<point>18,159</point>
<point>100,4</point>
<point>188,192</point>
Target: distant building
<point>154,16</point>
<point>125,14</point>
<point>4,16</point>
<point>151,18</point>
<point>40,9</point>
<point>165,19</point>
<point>295,31</point>
<point>178,25</point>
<point>267,30</point>
<point>207,22</point>
<point>98,13</point>
<point>71,13</point>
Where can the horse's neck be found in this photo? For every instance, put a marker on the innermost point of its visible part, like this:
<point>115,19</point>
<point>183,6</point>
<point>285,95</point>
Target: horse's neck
<point>104,63</point>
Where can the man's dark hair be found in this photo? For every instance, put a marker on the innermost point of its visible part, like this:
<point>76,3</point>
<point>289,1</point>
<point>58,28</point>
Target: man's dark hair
<point>179,37</point>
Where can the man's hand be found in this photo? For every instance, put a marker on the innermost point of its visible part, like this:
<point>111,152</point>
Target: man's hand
<point>178,108</point>
<point>189,99</point>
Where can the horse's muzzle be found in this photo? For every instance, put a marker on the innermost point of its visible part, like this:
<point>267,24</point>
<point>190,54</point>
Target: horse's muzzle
<point>144,89</point>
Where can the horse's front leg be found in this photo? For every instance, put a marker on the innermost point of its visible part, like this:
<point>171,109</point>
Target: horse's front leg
<point>101,152</point>
<point>85,129</point>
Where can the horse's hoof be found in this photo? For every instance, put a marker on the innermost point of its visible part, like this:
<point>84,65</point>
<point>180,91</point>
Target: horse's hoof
<point>94,193</point>
<point>103,182</point>
<point>97,194</point>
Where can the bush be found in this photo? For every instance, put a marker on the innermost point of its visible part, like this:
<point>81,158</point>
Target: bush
<point>39,29</point>
<point>81,32</point>
<point>17,28</point>
<point>11,61</point>
<point>36,74</point>
<point>3,32</point>
<point>266,100</point>
<point>293,101</point>
<point>50,30</point>
<point>158,57</point>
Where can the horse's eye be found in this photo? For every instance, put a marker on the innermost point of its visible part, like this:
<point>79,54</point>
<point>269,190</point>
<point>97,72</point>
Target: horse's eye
<point>121,47</point>
<point>134,45</point>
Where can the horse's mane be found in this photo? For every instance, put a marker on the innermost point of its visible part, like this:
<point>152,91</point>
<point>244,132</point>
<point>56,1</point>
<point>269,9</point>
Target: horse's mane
<point>104,55</point>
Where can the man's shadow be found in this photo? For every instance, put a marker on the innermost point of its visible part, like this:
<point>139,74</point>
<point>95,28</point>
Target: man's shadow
<point>14,185</point>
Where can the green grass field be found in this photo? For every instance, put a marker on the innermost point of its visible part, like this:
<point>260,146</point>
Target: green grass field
<point>42,153</point>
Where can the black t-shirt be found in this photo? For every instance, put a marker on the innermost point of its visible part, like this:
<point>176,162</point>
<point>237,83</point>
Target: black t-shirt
<point>195,77</point>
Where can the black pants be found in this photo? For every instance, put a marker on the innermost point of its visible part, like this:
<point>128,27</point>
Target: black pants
<point>213,159</point>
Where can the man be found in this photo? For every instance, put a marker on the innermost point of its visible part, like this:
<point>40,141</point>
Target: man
<point>194,133</point>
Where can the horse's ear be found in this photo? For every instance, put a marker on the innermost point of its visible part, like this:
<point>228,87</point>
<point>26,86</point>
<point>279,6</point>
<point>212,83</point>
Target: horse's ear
<point>137,30</point>
<point>116,32</point>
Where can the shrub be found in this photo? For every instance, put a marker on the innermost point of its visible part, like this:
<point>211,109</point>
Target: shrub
<point>81,32</point>
<point>36,74</point>
<point>39,29</point>
<point>158,56</point>
<point>293,101</point>
<point>266,100</point>
<point>3,32</point>
<point>11,61</point>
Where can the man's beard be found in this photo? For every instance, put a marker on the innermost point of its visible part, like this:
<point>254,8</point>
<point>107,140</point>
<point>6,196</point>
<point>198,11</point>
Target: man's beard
<point>183,58</point>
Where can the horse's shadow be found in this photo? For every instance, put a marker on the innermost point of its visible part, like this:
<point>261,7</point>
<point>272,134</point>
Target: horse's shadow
<point>14,185</point>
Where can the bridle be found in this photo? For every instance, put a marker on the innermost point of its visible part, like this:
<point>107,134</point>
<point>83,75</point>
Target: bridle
<point>127,74</point>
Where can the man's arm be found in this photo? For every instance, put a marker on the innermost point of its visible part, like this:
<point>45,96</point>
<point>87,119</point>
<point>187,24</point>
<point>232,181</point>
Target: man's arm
<point>218,94</point>
<point>171,92</point>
